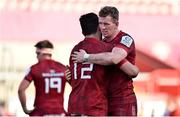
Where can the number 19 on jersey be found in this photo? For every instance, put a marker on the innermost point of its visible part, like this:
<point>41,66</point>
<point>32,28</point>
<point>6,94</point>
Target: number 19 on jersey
<point>53,83</point>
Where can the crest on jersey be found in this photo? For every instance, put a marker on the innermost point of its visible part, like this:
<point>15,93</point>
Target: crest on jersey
<point>52,71</point>
<point>126,40</point>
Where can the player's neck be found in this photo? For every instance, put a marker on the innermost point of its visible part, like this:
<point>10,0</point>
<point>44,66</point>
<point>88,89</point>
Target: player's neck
<point>92,36</point>
<point>45,58</point>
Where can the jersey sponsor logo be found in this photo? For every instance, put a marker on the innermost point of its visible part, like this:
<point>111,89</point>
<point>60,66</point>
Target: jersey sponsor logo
<point>126,40</point>
<point>60,74</point>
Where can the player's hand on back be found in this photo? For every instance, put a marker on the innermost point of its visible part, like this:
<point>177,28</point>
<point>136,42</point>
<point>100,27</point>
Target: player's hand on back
<point>68,74</point>
<point>78,57</point>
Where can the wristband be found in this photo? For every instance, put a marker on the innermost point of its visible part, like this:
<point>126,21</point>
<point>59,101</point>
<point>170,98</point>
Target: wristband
<point>86,57</point>
<point>122,62</point>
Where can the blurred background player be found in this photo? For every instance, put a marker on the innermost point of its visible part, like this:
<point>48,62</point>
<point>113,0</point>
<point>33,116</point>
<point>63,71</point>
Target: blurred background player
<point>121,97</point>
<point>49,81</point>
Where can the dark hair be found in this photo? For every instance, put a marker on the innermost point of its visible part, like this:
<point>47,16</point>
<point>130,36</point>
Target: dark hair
<point>89,23</point>
<point>111,11</point>
<point>44,44</point>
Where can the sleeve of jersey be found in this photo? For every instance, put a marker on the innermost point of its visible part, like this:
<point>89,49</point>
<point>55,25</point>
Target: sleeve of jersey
<point>126,42</point>
<point>28,75</point>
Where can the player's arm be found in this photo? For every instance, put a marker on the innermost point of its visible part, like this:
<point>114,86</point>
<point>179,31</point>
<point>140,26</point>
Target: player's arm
<point>116,56</point>
<point>22,95</point>
<point>105,58</point>
<point>128,68</point>
<point>68,74</point>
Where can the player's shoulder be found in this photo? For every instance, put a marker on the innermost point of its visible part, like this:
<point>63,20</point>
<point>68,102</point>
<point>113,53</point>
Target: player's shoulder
<point>78,45</point>
<point>124,34</point>
<point>34,65</point>
<point>125,39</point>
<point>33,68</point>
<point>29,69</point>
<point>58,63</point>
<point>84,44</point>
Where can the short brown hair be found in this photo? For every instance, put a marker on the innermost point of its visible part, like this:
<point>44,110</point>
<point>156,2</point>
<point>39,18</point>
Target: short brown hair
<point>109,10</point>
<point>44,44</point>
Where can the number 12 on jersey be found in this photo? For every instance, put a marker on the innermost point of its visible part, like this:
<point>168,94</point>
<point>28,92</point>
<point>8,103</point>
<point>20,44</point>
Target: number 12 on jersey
<point>89,68</point>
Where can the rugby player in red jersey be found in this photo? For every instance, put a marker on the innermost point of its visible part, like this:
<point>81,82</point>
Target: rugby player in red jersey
<point>88,95</point>
<point>49,80</point>
<point>121,97</point>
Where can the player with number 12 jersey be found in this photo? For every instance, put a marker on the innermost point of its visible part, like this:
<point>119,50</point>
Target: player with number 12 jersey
<point>49,80</point>
<point>88,96</point>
